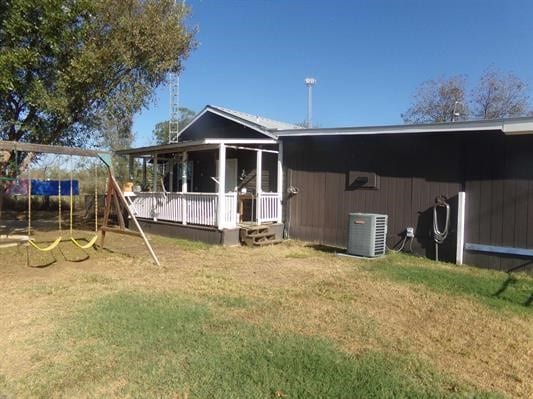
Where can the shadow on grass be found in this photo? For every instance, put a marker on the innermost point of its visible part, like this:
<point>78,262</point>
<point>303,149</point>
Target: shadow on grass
<point>77,259</point>
<point>509,281</point>
<point>326,248</point>
<point>496,289</point>
<point>49,259</point>
<point>522,267</point>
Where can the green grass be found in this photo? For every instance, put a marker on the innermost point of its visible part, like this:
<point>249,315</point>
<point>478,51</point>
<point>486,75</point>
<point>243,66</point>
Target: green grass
<point>498,290</point>
<point>140,345</point>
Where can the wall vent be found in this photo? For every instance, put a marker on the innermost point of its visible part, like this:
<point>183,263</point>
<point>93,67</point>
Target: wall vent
<point>367,234</point>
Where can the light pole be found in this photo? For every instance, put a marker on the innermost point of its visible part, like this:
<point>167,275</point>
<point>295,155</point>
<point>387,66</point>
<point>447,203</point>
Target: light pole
<point>456,113</point>
<point>309,82</point>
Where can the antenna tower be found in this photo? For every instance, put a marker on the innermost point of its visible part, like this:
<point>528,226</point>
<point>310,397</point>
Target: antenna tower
<point>173,124</point>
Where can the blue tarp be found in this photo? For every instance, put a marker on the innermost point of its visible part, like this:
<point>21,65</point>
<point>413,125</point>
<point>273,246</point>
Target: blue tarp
<point>51,187</point>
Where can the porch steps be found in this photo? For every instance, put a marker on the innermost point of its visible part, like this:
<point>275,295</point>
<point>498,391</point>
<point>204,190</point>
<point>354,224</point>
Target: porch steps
<point>258,236</point>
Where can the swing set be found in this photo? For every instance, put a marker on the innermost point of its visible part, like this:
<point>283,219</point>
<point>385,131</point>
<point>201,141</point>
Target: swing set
<point>59,239</point>
<point>114,199</point>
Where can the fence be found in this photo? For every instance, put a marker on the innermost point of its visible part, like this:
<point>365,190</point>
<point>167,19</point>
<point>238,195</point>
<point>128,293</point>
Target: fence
<point>268,210</point>
<point>187,208</point>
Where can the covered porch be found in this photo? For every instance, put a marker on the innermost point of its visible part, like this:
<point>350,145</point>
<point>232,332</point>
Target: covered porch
<point>218,184</point>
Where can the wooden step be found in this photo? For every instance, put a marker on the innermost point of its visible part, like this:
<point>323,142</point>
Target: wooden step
<point>255,228</point>
<point>253,241</point>
<point>268,242</point>
<point>259,235</point>
<point>249,232</point>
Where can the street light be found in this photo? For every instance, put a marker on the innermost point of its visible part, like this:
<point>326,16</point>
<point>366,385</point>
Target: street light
<point>456,113</point>
<point>309,82</point>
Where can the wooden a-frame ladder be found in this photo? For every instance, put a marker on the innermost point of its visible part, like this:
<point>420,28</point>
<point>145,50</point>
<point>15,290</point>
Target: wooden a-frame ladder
<point>115,199</point>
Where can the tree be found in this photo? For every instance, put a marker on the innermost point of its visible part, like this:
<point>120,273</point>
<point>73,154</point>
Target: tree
<point>116,134</point>
<point>160,132</point>
<point>441,100</point>
<point>64,61</point>
<point>499,96</point>
<point>496,96</point>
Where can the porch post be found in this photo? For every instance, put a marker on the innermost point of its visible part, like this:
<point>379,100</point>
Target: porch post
<point>144,174</point>
<point>184,207</point>
<point>154,186</point>
<point>171,175</point>
<point>280,182</point>
<point>130,167</point>
<point>258,182</point>
<point>184,159</point>
<point>221,211</point>
<point>154,175</point>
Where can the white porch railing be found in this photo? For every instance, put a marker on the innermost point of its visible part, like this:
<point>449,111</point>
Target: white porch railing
<point>230,209</point>
<point>269,207</point>
<point>201,208</point>
<point>187,208</point>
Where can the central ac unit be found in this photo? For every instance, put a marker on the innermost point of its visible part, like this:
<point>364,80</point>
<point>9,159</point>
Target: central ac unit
<point>367,234</point>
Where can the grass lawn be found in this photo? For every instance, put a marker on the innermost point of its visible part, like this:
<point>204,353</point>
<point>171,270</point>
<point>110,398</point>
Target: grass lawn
<point>285,321</point>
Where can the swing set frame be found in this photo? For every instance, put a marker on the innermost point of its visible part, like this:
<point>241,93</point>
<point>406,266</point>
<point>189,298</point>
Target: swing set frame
<point>114,196</point>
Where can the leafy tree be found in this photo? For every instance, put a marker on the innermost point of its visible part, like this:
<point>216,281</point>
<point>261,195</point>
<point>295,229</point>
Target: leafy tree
<point>499,95</point>
<point>64,61</point>
<point>441,100</point>
<point>160,132</point>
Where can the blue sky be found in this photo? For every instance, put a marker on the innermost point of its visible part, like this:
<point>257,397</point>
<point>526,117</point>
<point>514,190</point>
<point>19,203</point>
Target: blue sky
<point>368,56</point>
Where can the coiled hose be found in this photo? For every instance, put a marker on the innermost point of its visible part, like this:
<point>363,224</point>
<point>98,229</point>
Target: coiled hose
<point>438,235</point>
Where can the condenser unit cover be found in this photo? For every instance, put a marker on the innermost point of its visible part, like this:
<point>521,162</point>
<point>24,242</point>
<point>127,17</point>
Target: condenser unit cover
<point>367,234</point>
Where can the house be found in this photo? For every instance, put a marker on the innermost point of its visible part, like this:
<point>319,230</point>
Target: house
<point>311,179</point>
<point>207,186</point>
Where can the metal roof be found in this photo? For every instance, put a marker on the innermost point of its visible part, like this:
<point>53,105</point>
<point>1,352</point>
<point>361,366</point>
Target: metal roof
<point>266,123</point>
<point>263,125</point>
<point>510,126</point>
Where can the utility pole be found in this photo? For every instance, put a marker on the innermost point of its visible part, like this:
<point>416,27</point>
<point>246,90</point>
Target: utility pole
<point>309,82</point>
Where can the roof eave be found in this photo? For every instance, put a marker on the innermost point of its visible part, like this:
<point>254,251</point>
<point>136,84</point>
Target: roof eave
<point>193,145</point>
<point>509,126</point>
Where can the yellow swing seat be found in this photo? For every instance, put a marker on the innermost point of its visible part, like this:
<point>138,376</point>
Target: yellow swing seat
<point>85,246</point>
<point>48,248</point>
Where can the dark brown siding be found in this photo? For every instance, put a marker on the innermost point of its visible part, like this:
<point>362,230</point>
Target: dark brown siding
<point>499,190</point>
<point>412,170</point>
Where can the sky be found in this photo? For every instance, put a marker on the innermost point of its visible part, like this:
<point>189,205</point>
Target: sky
<point>368,57</point>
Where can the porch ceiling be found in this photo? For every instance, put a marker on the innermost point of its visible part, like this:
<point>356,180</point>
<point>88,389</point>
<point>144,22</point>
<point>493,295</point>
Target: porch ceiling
<point>188,146</point>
